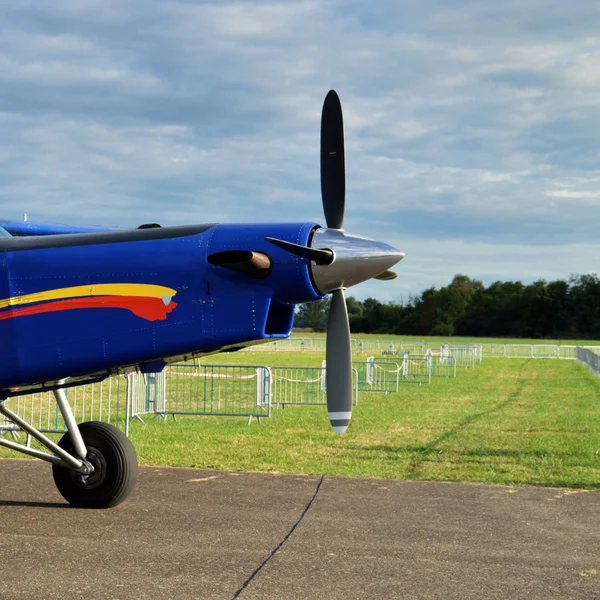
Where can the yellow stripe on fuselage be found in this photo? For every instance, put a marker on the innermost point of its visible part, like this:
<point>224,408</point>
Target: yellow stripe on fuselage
<point>100,289</point>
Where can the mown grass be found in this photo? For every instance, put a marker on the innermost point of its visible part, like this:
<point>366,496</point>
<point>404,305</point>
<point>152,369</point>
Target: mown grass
<point>506,421</point>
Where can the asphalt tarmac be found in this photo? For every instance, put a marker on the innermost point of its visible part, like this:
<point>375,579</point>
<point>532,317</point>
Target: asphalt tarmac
<point>192,534</point>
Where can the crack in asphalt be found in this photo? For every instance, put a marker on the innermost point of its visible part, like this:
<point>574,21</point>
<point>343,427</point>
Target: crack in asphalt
<point>280,545</point>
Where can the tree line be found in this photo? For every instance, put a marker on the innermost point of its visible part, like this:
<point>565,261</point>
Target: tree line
<point>465,307</point>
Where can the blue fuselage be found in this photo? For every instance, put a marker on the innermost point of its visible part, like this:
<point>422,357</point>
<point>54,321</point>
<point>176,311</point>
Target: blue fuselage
<point>80,304</point>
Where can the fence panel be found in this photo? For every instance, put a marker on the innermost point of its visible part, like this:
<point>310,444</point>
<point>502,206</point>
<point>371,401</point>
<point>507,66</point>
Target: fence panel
<point>226,390</point>
<point>377,377</point>
<point>590,358</point>
<point>518,351</point>
<point>303,385</point>
<point>372,347</point>
<point>464,355</point>
<point>146,394</point>
<point>104,401</point>
<point>317,346</point>
<point>401,349</point>
<point>385,376</point>
<point>440,366</point>
<point>415,369</point>
<point>492,350</point>
<point>314,345</point>
<point>566,352</point>
<point>464,352</point>
<point>544,351</point>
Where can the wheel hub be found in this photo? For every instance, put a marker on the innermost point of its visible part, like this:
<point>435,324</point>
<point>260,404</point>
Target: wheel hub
<point>95,460</point>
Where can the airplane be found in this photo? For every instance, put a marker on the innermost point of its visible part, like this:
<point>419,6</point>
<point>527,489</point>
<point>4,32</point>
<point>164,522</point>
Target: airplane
<point>79,304</point>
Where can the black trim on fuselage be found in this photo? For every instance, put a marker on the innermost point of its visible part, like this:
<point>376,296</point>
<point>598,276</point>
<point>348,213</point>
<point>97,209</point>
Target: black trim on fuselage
<point>63,240</point>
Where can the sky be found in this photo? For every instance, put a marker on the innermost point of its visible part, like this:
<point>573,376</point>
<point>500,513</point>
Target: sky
<point>472,128</point>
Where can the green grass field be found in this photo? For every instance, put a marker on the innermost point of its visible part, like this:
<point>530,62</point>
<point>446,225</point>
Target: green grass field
<point>506,421</point>
<point>509,421</point>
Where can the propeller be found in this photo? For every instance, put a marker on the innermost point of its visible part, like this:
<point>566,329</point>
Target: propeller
<point>319,256</point>
<point>339,363</point>
<point>386,275</point>
<point>337,261</point>
<point>333,162</point>
<point>338,351</point>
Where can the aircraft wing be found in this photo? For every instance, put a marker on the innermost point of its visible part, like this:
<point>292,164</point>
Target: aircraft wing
<point>27,228</point>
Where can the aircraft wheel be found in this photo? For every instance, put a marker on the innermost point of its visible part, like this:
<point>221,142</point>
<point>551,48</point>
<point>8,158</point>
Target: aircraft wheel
<point>115,468</point>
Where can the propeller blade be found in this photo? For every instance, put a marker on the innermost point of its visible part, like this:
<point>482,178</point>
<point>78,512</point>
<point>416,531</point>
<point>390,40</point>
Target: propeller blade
<point>321,257</point>
<point>339,363</point>
<point>333,162</point>
<point>386,275</point>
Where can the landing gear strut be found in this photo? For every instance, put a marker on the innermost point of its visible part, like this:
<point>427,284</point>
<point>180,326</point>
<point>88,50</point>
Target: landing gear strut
<point>94,464</point>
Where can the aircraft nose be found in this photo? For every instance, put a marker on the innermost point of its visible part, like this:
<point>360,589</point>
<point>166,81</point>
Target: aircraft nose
<point>355,260</point>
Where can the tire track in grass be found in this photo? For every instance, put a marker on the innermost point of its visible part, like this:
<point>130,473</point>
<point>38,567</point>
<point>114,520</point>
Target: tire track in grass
<point>422,452</point>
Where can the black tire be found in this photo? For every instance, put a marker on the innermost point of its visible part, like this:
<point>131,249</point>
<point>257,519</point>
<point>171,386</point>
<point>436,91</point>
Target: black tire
<point>115,468</point>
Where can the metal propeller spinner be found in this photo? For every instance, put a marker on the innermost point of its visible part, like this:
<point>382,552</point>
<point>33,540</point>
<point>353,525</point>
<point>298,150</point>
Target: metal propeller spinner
<point>338,261</point>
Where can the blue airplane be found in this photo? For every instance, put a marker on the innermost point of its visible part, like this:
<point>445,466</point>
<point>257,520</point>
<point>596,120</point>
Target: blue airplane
<point>78,304</point>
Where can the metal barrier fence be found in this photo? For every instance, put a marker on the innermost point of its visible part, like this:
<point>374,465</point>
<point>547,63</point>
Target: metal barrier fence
<point>398,348</point>
<point>529,351</point>
<point>315,345</point>
<point>463,356</point>
<point>415,369</point>
<point>493,350</point>
<point>183,389</point>
<point>568,352</point>
<point>545,351</point>
<point>395,348</point>
<point>104,401</point>
<point>466,355</point>
<point>303,385</point>
<point>377,376</point>
<point>318,345</point>
<point>145,395</point>
<point>385,376</point>
<point>440,366</point>
<point>590,358</point>
<point>225,390</point>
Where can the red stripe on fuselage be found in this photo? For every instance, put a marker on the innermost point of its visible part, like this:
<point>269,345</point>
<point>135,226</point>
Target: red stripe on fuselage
<point>151,309</point>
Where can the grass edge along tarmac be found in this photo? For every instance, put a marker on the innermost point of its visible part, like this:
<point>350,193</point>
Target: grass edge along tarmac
<point>510,422</point>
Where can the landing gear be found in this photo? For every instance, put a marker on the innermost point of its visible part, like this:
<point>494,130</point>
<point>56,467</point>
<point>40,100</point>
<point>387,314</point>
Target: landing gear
<point>94,464</point>
<point>114,463</point>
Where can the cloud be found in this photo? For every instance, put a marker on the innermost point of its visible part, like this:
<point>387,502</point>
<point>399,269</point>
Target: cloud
<point>471,128</point>
<point>573,194</point>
